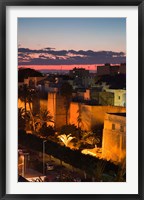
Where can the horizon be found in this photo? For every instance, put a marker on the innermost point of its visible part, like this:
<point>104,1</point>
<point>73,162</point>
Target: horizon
<point>62,67</point>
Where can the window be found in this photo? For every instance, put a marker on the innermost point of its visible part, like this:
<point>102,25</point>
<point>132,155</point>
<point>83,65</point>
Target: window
<point>113,126</point>
<point>121,128</point>
<point>118,97</point>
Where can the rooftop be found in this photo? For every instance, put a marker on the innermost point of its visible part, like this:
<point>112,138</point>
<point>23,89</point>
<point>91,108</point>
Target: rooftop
<point>118,114</point>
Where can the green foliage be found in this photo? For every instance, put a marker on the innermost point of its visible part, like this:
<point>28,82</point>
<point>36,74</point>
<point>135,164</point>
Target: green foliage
<point>68,129</point>
<point>72,157</point>
<point>21,118</point>
<point>98,132</point>
<point>41,120</point>
<point>45,116</point>
<point>66,139</point>
<point>27,72</point>
<point>47,130</point>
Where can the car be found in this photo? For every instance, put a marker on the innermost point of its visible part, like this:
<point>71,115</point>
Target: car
<point>49,166</point>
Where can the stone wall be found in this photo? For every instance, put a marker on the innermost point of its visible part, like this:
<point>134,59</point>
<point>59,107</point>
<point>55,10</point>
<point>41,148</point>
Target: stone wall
<point>91,116</point>
<point>114,138</point>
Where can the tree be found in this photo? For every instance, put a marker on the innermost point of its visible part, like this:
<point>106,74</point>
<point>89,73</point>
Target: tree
<point>42,118</point>
<point>22,94</point>
<point>69,129</point>
<point>66,139</point>
<point>66,92</point>
<point>27,72</point>
<point>98,172</point>
<point>121,172</point>
<point>47,130</point>
<point>27,95</point>
<point>75,158</point>
<point>79,118</point>
<point>21,118</point>
<point>45,116</point>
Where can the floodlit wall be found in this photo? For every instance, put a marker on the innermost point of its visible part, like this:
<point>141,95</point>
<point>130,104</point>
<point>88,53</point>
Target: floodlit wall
<point>91,116</point>
<point>21,104</point>
<point>56,107</point>
<point>114,138</point>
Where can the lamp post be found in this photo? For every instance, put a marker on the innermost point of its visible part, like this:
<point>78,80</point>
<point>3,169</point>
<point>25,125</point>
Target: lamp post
<point>44,156</point>
<point>24,162</point>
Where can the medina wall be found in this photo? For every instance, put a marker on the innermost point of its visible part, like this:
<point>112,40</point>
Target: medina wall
<point>91,116</point>
<point>114,139</point>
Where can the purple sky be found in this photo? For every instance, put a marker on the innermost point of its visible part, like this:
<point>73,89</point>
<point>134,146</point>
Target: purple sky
<point>66,41</point>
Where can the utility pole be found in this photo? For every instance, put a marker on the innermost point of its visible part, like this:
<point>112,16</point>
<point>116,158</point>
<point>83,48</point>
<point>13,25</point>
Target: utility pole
<point>44,156</point>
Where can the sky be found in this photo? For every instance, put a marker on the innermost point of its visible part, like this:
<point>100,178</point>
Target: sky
<point>67,41</point>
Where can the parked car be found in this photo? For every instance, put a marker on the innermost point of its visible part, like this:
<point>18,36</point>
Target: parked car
<point>49,166</point>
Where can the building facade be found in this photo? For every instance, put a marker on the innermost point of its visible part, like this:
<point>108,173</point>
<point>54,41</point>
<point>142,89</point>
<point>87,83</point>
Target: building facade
<point>119,96</point>
<point>114,137</point>
<point>109,69</point>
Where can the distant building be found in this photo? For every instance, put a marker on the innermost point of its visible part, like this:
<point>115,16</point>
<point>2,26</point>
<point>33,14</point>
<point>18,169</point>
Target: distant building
<point>33,81</point>
<point>119,96</point>
<point>122,68</point>
<point>82,95</point>
<point>79,72</point>
<point>109,69</point>
<point>114,137</point>
<point>91,115</point>
<point>88,81</point>
<point>81,77</point>
<point>106,98</point>
<point>112,97</point>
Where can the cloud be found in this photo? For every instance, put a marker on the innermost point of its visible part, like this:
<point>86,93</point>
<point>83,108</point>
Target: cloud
<point>49,48</point>
<point>50,56</point>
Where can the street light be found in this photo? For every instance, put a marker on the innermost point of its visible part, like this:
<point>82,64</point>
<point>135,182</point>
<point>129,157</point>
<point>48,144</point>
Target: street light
<point>24,162</point>
<point>44,156</point>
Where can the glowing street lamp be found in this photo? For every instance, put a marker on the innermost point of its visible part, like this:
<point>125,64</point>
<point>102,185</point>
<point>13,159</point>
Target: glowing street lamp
<point>24,160</point>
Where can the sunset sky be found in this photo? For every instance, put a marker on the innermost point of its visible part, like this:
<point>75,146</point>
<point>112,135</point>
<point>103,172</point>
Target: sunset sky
<point>69,41</point>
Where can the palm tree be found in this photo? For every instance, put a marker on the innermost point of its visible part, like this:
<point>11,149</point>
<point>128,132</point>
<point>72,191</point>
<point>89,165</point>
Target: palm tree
<point>27,94</point>
<point>98,170</point>
<point>43,117</point>
<point>79,118</point>
<point>66,139</point>
<point>21,118</point>
<point>22,94</point>
<point>121,172</point>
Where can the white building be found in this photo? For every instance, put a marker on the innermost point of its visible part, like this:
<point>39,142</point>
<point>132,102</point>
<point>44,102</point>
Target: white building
<point>119,96</point>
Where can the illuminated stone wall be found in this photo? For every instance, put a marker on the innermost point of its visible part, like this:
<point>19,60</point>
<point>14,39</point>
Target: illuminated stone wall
<point>91,116</point>
<point>33,80</point>
<point>21,104</point>
<point>44,104</point>
<point>114,138</point>
<point>100,111</point>
<point>84,111</point>
<point>57,109</point>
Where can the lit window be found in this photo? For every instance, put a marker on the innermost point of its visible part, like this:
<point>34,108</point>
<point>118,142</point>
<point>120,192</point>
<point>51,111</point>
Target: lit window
<point>113,126</point>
